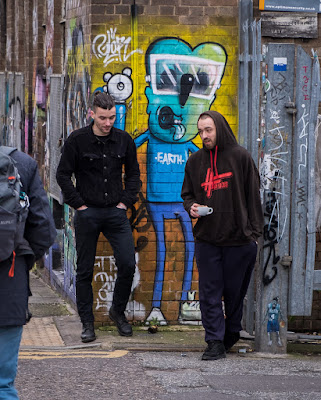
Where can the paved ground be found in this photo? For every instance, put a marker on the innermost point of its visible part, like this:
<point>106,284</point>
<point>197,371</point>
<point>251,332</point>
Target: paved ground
<point>54,364</point>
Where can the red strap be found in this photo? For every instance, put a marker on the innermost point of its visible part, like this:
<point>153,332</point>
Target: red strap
<point>11,271</point>
<point>215,159</point>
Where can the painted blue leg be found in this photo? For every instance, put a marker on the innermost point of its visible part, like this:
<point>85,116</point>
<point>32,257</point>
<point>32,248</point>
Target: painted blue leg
<point>157,217</point>
<point>187,228</point>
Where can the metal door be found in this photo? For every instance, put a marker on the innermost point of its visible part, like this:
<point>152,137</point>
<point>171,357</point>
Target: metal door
<point>287,148</point>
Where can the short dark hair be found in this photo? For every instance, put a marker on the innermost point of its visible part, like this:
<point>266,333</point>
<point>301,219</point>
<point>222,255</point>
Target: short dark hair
<point>103,100</point>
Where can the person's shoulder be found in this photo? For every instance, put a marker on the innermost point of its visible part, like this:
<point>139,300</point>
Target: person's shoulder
<point>241,152</point>
<point>122,136</point>
<point>78,134</point>
<point>197,155</point>
<point>119,132</point>
<point>23,158</point>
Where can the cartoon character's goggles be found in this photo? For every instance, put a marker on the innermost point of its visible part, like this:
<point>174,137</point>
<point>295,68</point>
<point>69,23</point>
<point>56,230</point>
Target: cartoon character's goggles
<point>167,70</point>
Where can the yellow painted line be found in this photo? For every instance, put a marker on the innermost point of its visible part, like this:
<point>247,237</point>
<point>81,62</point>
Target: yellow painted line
<point>41,355</point>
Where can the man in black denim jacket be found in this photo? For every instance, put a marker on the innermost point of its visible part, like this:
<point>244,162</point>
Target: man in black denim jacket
<point>96,155</point>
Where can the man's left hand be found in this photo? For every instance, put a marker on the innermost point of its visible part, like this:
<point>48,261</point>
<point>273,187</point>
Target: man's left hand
<point>121,206</point>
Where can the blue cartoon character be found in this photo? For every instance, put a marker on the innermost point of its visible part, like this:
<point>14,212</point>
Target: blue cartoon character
<point>182,84</point>
<point>120,87</point>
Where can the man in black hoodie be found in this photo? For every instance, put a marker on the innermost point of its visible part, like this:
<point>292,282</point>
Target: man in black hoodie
<point>222,175</point>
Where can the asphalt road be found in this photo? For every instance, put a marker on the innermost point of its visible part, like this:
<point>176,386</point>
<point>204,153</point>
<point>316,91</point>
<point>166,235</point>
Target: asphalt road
<point>101,375</point>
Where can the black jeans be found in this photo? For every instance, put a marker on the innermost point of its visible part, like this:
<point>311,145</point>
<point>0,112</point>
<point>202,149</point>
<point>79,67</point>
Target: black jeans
<point>114,225</point>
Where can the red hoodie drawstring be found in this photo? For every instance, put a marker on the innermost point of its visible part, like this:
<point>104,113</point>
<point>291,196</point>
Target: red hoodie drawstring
<point>11,271</point>
<point>215,181</point>
<point>215,159</point>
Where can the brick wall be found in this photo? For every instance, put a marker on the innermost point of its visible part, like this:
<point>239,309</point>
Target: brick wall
<point>119,42</point>
<point>93,41</point>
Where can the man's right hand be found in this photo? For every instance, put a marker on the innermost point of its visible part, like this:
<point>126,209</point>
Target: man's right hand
<point>82,208</point>
<point>193,210</point>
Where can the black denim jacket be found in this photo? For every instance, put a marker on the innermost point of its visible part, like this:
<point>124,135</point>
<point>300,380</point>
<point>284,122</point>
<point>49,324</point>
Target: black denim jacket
<point>98,169</point>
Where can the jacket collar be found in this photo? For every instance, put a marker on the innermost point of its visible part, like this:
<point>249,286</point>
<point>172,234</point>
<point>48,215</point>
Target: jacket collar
<point>112,136</point>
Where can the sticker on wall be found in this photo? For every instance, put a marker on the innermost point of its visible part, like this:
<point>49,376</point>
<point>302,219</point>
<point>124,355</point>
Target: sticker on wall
<point>274,320</point>
<point>280,63</point>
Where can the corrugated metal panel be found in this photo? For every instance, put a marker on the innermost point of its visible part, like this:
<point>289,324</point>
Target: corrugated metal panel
<point>18,106</point>
<point>302,247</point>
<point>2,106</point>
<point>311,223</point>
<point>55,131</point>
<point>10,111</point>
<point>276,170</point>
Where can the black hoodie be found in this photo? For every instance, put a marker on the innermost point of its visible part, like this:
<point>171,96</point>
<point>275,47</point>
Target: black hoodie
<point>226,179</point>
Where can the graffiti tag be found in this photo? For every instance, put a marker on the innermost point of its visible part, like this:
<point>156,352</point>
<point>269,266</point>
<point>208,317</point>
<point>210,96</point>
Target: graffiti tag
<point>107,279</point>
<point>168,158</point>
<point>305,85</point>
<point>304,120</point>
<point>270,235</point>
<point>278,90</point>
<point>112,47</point>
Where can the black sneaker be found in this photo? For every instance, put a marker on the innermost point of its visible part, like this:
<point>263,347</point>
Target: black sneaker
<point>214,351</point>
<point>230,339</point>
<point>123,327</point>
<point>88,332</point>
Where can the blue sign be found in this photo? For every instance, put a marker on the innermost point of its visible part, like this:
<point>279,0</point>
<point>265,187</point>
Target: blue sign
<point>280,63</point>
<point>308,6</point>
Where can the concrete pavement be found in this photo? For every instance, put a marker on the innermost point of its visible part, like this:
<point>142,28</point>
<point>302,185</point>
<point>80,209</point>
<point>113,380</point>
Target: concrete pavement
<point>164,365</point>
<point>56,324</point>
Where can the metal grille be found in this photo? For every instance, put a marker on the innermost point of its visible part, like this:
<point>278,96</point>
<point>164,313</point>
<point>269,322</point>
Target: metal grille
<point>18,107</point>
<point>55,131</point>
<point>2,106</point>
<point>10,111</point>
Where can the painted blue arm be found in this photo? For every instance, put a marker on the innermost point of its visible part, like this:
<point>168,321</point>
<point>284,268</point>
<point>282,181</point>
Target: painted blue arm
<point>141,139</point>
<point>192,147</point>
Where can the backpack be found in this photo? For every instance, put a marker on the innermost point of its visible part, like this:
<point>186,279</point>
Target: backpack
<point>14,206</point>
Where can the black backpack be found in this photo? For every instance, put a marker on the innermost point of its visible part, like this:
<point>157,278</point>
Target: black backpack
<point>14,206</point>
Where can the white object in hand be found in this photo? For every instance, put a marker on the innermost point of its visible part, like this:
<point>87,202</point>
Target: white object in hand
<point>204,210</point>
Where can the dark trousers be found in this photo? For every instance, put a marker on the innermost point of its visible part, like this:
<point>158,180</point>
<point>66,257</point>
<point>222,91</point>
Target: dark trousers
<point>223,271</point>
<point>114,225</point>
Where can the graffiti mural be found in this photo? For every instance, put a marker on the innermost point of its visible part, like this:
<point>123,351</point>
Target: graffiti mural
<point>70,256</point>
<point>106,278</point>
<point>161,85</point>
<point>77,111</point>
<point>120,87</point>
<point>77,80</point>
<point>318,176</point>
<point>182,84</point>
<point>272,166</point>
<point>38,125</point>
